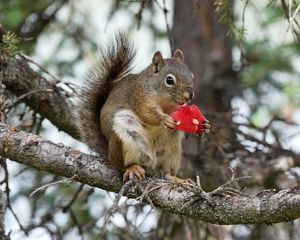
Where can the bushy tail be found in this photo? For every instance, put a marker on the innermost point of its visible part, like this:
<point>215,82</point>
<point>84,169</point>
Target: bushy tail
<point>113,64</point>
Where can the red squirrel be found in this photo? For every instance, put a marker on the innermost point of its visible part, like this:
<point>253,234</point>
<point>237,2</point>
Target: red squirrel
<point>132,111</point>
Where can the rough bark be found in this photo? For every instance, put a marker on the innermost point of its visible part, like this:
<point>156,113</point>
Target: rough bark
<point>266,207</point>
<point>3,202</point>
<point>42,96</point>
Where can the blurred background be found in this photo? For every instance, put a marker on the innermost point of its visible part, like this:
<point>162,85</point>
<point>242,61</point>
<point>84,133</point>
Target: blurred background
<point>245,58</point>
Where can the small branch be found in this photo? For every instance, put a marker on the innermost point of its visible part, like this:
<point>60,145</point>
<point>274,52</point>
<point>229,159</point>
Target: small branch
<point>26,95</point>
<point>225,189</point>
<point>76,222</point>
<point>17,219</point>
<point>288,16</point>
<point>165,11</point>
<point>48,185</point>
<point>140,13</point>
<point>242,56</point>
<point>111,211</point>
<point>29,59</point>
<point>67,206</point>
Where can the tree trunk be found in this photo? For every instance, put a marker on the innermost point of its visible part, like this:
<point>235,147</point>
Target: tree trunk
<point>199,34</point>
<point>203,39</point>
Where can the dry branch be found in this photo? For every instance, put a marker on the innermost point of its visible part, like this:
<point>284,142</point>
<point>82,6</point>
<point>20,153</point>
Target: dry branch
<point>266,207</point>
<point>46,99</point>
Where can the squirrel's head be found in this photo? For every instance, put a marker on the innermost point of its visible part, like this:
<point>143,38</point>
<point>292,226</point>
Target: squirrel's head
<point>172,80</point>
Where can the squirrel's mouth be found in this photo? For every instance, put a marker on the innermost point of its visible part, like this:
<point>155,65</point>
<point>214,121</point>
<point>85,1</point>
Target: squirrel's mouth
<point>180,103</point>
<point>168,106</point>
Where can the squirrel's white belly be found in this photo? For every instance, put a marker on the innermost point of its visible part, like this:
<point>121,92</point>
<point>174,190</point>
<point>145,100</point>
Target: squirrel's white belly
<point>155,147</point>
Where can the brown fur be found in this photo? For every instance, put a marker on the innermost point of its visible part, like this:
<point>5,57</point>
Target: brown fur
<point>114,63</point>
<point>134,109</point>
<point>116,152</point>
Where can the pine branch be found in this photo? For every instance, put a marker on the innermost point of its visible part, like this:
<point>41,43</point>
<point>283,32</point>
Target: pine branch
<point>8,44</point>
<point>267,207</point>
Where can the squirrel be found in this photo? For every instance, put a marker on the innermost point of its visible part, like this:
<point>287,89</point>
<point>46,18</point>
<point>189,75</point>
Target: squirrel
<point>132,111</point>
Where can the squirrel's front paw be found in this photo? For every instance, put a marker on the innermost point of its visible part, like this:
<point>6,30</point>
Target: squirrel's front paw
<point>205,127</point>
<point>169,121</point>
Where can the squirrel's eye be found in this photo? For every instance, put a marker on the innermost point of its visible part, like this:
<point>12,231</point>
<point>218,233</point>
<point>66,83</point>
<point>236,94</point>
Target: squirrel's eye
<point>170,80</point>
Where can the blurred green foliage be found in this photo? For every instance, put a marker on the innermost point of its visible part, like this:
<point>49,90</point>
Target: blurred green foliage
<point>13,13</point>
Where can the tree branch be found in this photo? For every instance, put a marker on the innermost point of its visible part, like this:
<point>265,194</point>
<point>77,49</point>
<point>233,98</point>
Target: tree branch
<point>266,207</point>
<point>3,206</point>
<point>46,99</point>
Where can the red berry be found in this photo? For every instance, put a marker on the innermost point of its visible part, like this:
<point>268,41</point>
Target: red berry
<point>189,119</point>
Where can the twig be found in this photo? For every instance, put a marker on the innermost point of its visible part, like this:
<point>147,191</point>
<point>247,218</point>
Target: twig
<point>75,220</point>
<point>145,217</point>
<point>198,184</point>
<point>232,173</point>
<point>140,12</point>
<point>45,186</point>
<point>290,10</point>
<point>17,219</point>
<point>26,95</point>
<point>296,12</point>
<point>288,17</point>
<point>147,190</point>
<point>51,184</point>
<point>110,212</point>
<point>165,11</point>
<point>270,3</point>
<point>225,187</point>
<point>39,125</point>
<point>242,56</point>
<point>29,59</point>
<point>67,206</point>
<point>7,192</point>
<point>192,199</point>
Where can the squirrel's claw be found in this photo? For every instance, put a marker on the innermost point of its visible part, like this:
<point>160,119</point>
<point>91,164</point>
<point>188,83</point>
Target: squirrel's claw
<point>134,171</point>
<point>205,127</point>
<point>175,179</point>
<point>169,122</point>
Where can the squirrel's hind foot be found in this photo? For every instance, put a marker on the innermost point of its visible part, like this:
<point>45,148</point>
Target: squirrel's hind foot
<point>175,179</point>
<point>134,172</point>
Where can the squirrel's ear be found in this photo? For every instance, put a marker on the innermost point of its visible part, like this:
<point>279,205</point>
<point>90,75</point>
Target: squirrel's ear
<point>158,61</point>
<point>178,54</point>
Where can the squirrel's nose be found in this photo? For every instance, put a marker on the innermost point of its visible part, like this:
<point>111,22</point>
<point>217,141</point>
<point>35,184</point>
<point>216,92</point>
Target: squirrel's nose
<point>188,95</point>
